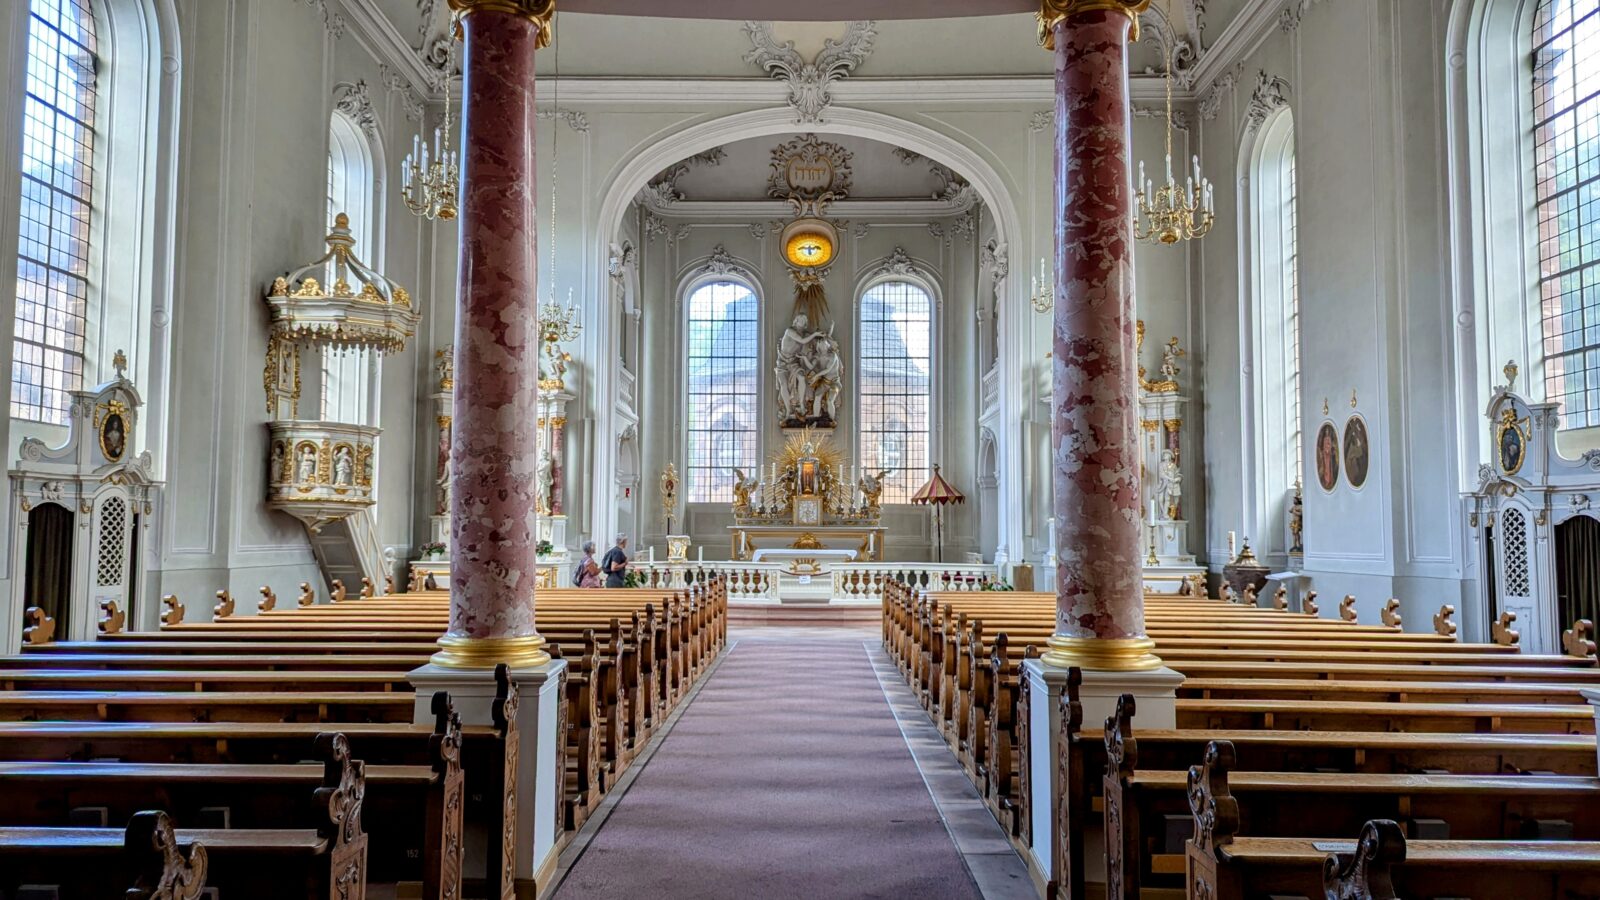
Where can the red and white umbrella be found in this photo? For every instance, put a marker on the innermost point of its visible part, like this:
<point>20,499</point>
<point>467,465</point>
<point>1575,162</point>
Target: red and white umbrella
<point>938,493</point>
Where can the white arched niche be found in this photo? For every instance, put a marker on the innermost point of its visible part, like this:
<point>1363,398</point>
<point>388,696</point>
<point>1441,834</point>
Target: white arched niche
<point>981,172</point>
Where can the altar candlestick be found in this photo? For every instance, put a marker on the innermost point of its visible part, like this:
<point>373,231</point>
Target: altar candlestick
<point>652,556</point>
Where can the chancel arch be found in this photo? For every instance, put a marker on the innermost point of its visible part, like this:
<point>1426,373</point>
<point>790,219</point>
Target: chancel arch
<point>973,162</point>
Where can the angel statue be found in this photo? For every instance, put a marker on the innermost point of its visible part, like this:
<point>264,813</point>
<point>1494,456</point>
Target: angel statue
<point>872,487</point>
<point>742,486</point>
<point>1170,354</point>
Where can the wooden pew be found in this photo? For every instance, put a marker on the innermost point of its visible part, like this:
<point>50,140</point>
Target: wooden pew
<point>326,861</point>
<point>1220,865</point>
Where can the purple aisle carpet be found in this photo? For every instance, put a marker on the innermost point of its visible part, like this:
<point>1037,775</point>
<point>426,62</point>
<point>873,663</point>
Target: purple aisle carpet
<point>786,777</point>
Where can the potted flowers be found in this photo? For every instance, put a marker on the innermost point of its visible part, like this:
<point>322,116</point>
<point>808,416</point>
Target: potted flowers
<point>433,550</point>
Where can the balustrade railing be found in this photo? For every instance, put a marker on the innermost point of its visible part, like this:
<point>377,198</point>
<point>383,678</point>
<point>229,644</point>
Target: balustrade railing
<point>746,580</point>
<point>864,581</point>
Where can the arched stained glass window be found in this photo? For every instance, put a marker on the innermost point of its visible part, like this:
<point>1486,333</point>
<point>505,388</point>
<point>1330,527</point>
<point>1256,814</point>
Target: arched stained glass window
<point>724,350</point>
<point>1566,144</point>
<point>58,165</point>
<point>896,326</point>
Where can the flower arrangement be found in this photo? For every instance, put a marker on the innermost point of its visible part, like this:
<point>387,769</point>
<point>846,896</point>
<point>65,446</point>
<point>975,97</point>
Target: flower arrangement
<point>433,550</point>
<point>996,586</point>
<point>631,579</point>
<point>544,548</point>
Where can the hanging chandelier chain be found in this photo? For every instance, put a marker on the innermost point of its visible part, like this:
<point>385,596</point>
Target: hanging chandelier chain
<point>1171,213</point>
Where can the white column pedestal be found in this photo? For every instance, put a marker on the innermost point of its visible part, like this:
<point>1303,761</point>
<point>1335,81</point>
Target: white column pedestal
<point>1155,692</point>
<point>540,696</point>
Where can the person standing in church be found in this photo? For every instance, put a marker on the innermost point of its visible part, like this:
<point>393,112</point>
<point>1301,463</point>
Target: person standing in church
<point>615,563</point>
<point>587,574</point>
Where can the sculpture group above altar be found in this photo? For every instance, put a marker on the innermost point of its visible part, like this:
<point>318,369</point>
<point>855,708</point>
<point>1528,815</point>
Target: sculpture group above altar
<point>810,375</point>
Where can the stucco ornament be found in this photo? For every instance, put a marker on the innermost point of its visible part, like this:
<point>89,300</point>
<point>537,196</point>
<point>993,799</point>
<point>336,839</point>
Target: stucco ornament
<point>810,82</point>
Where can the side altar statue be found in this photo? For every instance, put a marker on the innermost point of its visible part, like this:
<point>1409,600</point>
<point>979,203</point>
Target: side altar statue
<point>806,506</point>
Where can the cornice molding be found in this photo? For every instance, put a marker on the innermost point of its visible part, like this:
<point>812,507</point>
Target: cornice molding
<point>1248,30</point>
<point>387,44</point>
<point>782,210</point>
<point>593,92</point>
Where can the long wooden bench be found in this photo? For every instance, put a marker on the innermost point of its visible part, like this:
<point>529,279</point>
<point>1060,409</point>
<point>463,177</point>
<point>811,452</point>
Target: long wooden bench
<point>326,859</point>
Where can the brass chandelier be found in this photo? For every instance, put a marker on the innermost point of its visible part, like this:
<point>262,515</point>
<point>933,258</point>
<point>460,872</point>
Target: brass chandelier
<point>1173,213</point>
<point>429,174</point>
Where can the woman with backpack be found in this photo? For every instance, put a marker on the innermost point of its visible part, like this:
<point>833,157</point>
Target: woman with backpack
<point>587,573</point>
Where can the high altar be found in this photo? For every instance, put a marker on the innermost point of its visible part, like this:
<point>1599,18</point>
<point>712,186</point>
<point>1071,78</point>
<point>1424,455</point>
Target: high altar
<point>807,508</point>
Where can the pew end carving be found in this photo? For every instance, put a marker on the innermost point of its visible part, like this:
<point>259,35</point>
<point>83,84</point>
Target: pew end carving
<point>388,584</point>
<point>171,610</point>
<point>1364,874</point>
<point>1501,632</point>
<point>164,870</point>
<point>1579,639</point>
<point>1347,608</point>
<point>269,600</point>
<point>336,591</point>
<point>1216,819</point>
<point>224,606</point>
<point>503,853</point>
<point>1072,804</point>
<point>367,590</point>
<point>1280,598</point>
<point>343,790</point>
<point>444,865</point>
<point>1309,604</point>
<point>113,619</point>
<point>1121,829</point>
<point>307,595</point>
<point>1442,623</point>
<point>38,628</point>
<point>1391,613</point>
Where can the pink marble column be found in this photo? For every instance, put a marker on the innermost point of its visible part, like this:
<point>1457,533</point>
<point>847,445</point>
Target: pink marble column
<point>558,472</point>
<point>494,445</point>
<point>1095,425</point>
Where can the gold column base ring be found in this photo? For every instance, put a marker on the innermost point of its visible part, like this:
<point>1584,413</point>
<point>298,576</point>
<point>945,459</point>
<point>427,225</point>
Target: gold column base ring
<point>1102,654</point>
<point>462,652</point>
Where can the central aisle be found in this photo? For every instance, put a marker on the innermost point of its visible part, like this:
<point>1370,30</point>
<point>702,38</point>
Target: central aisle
<point>786,777</point>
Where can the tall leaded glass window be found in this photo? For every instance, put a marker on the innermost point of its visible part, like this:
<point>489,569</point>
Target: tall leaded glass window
<point>347,375</point>
<point>724,363</point>
<point>896,324</point>
<point>53,269</point>
<point>1566,141</point>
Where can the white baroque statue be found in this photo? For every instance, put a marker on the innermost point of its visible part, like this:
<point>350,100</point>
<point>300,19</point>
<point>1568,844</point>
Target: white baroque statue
<point>826,373</point>
<point>1169,486</point>
<point>794,367</point>
<point>545,475</point>
<point>344,466</point>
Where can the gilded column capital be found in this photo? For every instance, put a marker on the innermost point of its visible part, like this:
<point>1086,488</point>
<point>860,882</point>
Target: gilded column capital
<point>536,11</point>
<point>1052,12</point>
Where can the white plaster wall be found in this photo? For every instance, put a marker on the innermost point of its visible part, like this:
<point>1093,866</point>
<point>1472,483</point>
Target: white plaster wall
<point>1367,94</point>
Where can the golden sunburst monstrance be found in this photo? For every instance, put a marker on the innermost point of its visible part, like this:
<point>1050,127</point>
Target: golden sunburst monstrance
<point>821,449</point>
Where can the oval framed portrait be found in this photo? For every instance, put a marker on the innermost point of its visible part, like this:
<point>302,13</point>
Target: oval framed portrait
<point>113,436</point>
<point>1327,456</point>
<point>1357,451</point>
<point>1511,442</point>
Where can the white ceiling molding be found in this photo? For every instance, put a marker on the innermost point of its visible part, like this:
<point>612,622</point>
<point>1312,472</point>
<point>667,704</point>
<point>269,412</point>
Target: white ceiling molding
<point>355,101</point>
<point>782,210</point>
<point>386,43</point>
<point>1271,94</point>
<point>1211,100</point>
<point>1184,52</point>
<point>1180,119</point>
<point>809,83</point>
<point>593,92</point>
<point>1244,34</point>
<point>576,120</point>
<point>334,23</point>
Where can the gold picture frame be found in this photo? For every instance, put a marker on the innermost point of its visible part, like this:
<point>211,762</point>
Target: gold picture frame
<point>1325,456</point>
<point>113,434</point>
<point>1511,441</point>
<point>1356,450</point>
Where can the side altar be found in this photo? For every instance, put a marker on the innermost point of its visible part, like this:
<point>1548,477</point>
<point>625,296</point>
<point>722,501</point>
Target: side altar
<point>807,509</point>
